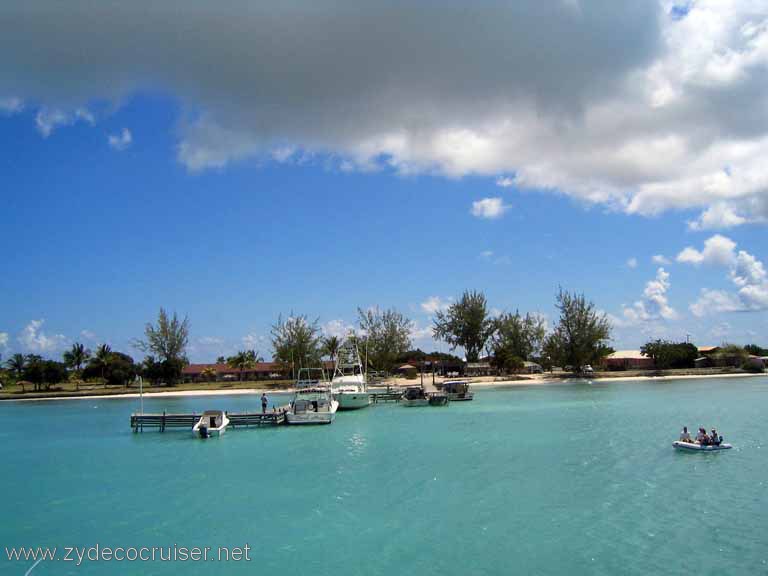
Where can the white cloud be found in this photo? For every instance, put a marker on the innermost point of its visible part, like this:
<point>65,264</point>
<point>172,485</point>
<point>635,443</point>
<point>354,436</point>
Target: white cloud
<point>338,328</point>
<point>718,250</point>
<point>654,304</point>
<point>660,259</point>
<point>434,304</point>
<point>3,339</point>
<point>420,332</point>
<point>120,141</point>
<point>253,341</point>
<point>489,208</point>
<point>48,120</point>
<point>632,262</point>
<point>745,271</point>
<point>87,335</point>
<point>10,106</point>
<point>33,339</point>
<point>486,254</point>
<point>636,106</point>
<point>719,215</point>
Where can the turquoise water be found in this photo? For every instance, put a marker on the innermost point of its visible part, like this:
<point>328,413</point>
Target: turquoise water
<point>571,479</point>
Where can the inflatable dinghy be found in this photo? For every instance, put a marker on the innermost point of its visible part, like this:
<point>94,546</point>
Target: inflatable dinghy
<point>699,447</point>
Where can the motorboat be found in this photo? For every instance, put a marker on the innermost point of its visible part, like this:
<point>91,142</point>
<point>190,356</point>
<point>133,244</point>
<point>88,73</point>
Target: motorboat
<point>349,383</point>
<point>313,401</point>
<point>696,447</point>
<point>457,390</point>
<point>414,396</point>
<point>438,399</point>
<point>211,423</point>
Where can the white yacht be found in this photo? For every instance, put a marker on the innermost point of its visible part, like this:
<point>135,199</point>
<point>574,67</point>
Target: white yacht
<point>313,402</point>
<point>211,423</point>
<point>349,381</point>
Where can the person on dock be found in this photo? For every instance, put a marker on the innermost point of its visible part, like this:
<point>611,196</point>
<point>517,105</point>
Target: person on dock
<point>685,436</point>
<point>264,403</point>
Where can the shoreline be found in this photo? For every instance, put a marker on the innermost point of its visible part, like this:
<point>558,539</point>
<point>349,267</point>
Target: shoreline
<point>529,381</point>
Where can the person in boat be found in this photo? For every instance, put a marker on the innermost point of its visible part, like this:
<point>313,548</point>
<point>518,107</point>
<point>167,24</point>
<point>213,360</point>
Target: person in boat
<point>702,437</point>
<point>685,436</point>
<point>715,440</point>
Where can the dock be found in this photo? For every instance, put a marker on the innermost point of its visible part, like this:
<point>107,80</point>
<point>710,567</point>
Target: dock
<point>236,420</point>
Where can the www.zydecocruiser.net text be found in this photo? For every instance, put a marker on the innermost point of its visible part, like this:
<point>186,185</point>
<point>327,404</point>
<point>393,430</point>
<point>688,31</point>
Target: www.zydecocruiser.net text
<point>77,555</point>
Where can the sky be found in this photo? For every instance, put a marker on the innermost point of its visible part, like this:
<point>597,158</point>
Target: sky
<point>238,161</point>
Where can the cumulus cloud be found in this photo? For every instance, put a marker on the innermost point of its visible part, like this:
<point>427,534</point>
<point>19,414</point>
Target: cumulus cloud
<point>654,304</point>
<point>419,332</point>
<point>434,304</point>
<point>660,259</point>
<point>48,120</point>
<point>338,328</point>
<point>718,250</point>
<point>3,339</point>
<point>33,339</point>
<point>745,271</point>
<point>642,106</point>
<point>489,208</point>
<point>632,262</point>
<point>10,106</point>
<point>252,341</point>
<point>87,335</point>
<point>120,141</point>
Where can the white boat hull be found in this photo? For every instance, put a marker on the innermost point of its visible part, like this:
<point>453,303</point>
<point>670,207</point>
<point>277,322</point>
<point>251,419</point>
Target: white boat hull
<point>353,400</point>
<point>692,447</point>
<point>325,417</point>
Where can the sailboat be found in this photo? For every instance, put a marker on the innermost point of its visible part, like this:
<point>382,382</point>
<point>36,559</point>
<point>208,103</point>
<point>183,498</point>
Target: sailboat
<point>349,383</point>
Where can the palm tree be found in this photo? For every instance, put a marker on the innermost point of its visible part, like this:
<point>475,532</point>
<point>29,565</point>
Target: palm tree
<point>101,360</point>
<point>209,374</point>
<point>75,358</point>
<point>244,360</point>
<point>16,365</point>
<point>331,346</point>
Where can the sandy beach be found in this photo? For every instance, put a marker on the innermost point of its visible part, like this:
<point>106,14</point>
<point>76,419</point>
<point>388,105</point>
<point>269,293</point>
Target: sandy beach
<point>477,383</point>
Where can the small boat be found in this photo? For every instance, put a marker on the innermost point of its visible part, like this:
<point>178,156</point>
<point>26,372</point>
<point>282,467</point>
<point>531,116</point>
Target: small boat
<point>211,423</point>
<point>696,447</point>
<point>313,402</point>
<point>349,384</point>
<point>438,399</point>
<point>414,396</point>
<point>457,390</point>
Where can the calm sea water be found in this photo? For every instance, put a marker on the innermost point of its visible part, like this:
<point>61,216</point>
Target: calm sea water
<point>571,479</point>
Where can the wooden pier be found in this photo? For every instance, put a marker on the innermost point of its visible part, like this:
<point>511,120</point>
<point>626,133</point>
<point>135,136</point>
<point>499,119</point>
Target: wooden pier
<point>236,420</point>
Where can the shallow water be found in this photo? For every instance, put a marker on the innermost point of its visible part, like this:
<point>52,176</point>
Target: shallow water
<point>568,479</point>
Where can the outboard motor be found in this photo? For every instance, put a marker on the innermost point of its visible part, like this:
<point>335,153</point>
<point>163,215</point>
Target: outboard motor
<point>203,432</point>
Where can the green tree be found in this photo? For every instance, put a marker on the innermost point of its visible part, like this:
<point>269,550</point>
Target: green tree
<point>755,350</point>
<point>76,356</point>
<point>168,341</point>
<point>100,361</point>
<point>331,346</point>
<point>465,323</point>
<point>383,336</point>
<point>670,354</point>
<point>244,360</point>
<point>516,338</point>
<point>221,360</point>
<point>581,334</point>
<point>16,365</point>
<point>208,374</point>
<point>43,372</point>
<point>296,342</point>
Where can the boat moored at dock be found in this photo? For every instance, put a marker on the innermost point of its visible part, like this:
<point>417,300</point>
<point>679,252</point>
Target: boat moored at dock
<point>349,383</point>
<point>313,402</point>
<point>457,390</point>
<point>414,396</point>
<point>211,423</point>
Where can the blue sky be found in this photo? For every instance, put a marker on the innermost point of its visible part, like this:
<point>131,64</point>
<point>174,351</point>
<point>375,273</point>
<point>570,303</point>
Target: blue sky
<point>198,206</point>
